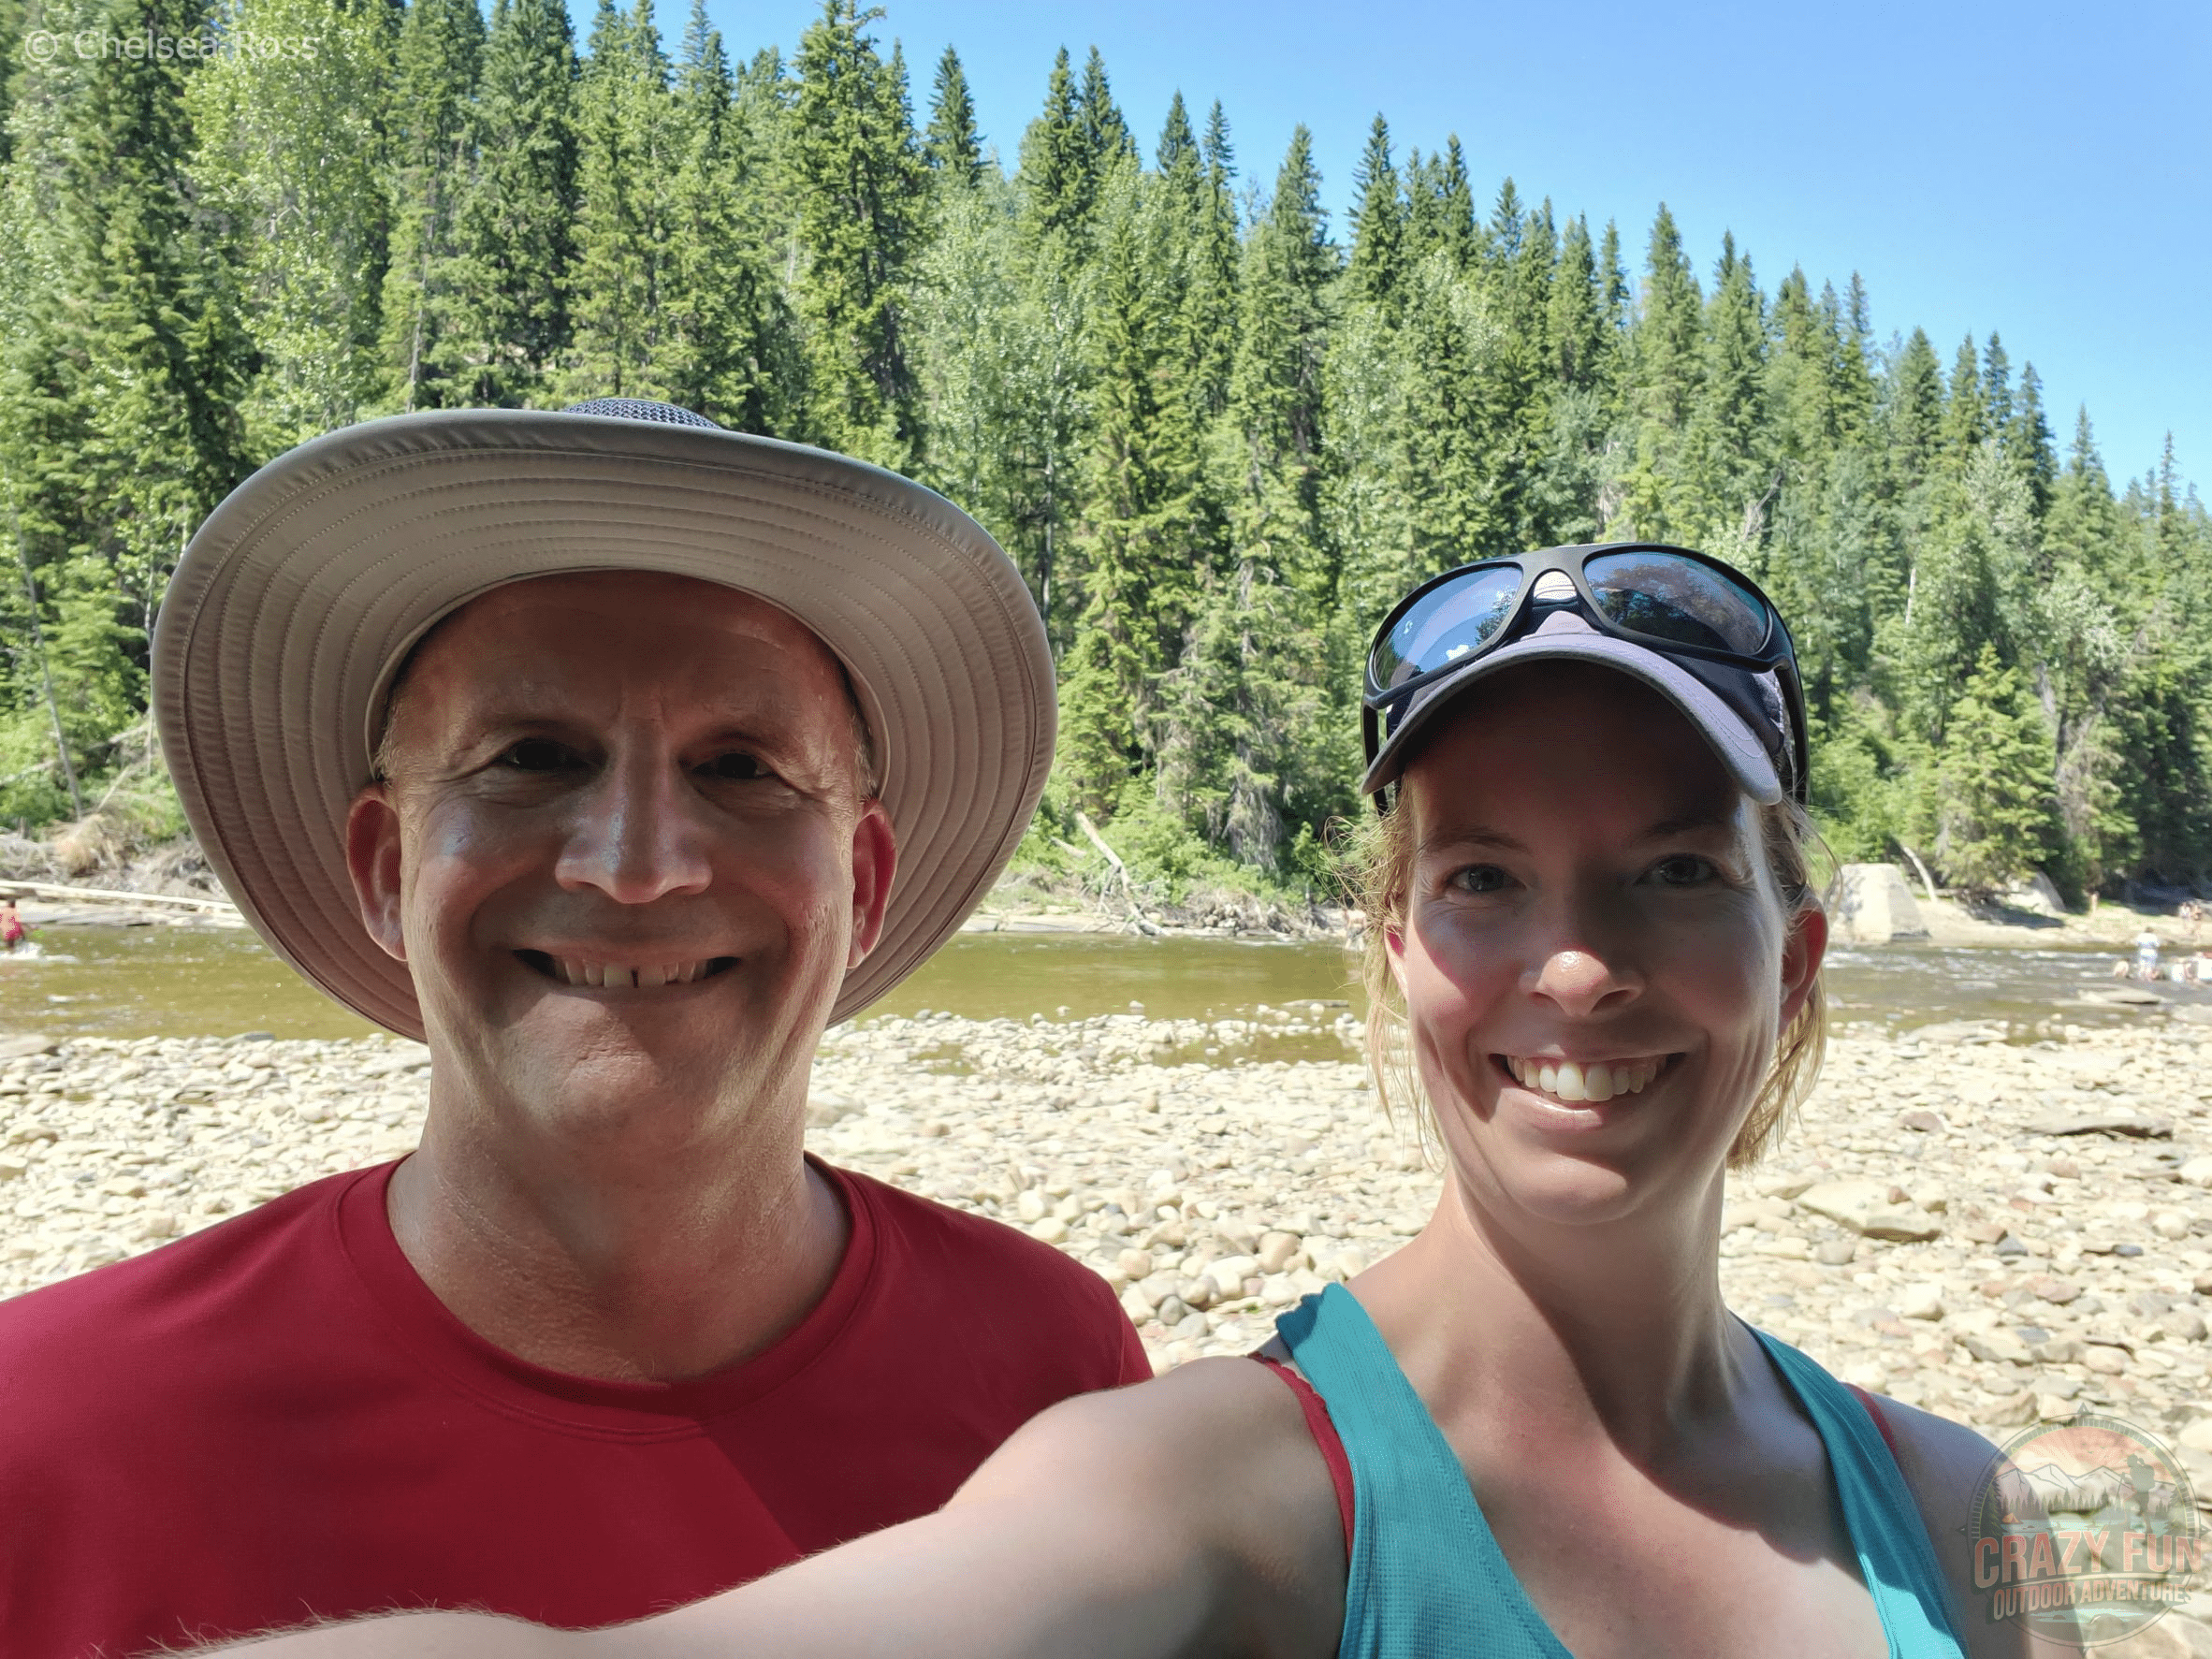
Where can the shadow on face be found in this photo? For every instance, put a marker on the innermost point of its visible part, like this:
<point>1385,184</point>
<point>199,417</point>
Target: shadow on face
<point>622,841</point>
<point>1597,960</point>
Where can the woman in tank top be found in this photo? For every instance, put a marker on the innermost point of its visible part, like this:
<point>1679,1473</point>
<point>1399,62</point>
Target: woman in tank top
<point>1593,965</point>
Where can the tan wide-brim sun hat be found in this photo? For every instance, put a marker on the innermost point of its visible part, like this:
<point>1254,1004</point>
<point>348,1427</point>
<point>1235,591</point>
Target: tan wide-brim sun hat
<point>295,606</point>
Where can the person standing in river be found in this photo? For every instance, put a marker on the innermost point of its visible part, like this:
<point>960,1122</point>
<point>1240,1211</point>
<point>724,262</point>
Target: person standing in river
<point>613,755</point>
<point>1593,964</point>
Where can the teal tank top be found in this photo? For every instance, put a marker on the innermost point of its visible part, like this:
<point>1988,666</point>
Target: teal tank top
<point>1428,1580</point>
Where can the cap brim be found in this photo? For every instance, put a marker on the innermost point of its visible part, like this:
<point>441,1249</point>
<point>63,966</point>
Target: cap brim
<point>1721,726</point>
<point>299,597</point>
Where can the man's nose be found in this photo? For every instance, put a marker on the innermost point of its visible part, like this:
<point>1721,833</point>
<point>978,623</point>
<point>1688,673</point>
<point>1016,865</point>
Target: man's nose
<point>637,837</point>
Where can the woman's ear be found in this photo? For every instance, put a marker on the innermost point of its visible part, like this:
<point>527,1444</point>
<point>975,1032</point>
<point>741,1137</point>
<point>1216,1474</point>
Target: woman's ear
<point>1802,953</point>
<point>1394,945</point>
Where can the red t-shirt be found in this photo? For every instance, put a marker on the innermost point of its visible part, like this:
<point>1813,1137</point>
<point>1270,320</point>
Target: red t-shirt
<point>275,1420</point>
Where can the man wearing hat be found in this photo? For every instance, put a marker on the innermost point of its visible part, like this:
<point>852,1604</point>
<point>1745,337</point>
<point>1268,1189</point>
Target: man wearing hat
<point>615,756</point>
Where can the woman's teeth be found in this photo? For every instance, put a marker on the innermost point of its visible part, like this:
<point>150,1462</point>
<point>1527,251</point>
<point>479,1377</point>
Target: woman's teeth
<point>612,975</point>
<point>1598,1080</point>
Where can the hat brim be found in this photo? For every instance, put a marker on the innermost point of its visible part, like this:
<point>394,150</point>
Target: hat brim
<point>295,605</point>
<point>1721,726</point>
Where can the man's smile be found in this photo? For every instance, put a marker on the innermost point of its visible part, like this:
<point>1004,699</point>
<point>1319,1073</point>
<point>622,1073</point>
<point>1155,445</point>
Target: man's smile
<point>616,976</point>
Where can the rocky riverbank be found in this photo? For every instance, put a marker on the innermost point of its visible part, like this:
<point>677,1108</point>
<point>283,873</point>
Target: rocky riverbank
<point>1995,1228</point>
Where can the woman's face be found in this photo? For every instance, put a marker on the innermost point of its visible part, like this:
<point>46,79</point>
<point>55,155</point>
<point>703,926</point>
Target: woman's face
<point>1597,960</point>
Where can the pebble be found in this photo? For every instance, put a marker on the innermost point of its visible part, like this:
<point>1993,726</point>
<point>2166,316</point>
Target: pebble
<point>1990,1259</point>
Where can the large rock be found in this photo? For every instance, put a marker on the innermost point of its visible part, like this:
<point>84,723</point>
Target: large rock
<point>1871,905</point>
<point>2036,896</point>
<point>1867,1209</point>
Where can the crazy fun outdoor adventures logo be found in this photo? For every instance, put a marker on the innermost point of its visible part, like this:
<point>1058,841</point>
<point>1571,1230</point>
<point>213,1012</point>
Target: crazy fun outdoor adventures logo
<point>2084,1529</point>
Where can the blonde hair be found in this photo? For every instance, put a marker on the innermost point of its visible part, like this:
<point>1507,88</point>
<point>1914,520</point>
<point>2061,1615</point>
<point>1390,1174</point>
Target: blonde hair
<point>1379,868</point>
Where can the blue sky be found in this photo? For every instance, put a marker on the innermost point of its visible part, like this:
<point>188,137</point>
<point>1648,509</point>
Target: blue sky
<point>2039,169</point>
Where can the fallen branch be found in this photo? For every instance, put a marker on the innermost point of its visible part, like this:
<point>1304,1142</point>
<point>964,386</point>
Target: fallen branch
<point>1927,881</point>
<point>111,895</point>
<point>1129,888</point>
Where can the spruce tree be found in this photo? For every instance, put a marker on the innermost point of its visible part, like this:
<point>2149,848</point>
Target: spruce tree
<point>1059,183</point>
<point>1576,326</point>
<point>725,344</point>
<point>516,232</point>
<point>122,365</point>
<point>1727,445</point>
<point>1244,748</point>
<point>1995,812</point>
<point>1105,134</point>
<point>1913,410</point>
<point>1666,332</point>
<point>2028,440</point>
<point>627,159</point>
<point>1378,264</point>
<point>1965,407</point>
<point>861,183</point>
<point>952,148</point>
<point>440,49</point>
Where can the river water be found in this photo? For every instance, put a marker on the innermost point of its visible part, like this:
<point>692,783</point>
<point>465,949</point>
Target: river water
<point>198,980</point>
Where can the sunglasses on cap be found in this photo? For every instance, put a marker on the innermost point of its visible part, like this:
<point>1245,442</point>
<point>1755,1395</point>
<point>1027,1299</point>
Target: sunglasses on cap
<point>1688,608</point>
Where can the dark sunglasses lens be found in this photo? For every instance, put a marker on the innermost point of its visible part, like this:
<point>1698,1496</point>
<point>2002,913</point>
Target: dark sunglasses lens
<point>1445,624</point>
<point>1677,599</point>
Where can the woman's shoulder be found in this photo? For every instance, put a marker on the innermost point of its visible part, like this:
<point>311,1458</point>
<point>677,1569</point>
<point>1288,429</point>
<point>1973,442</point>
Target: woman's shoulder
<point>1946,1467</point>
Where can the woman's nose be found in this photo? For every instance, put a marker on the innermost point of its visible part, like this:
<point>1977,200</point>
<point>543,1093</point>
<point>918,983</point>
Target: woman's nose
<point>1581,982</point>
<point>636,837</point>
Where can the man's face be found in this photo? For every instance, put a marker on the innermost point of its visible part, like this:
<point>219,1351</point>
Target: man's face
<point>623,849</point>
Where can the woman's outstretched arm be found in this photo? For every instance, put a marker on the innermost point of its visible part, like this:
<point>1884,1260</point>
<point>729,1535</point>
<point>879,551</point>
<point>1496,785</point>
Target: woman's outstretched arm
<point>1185,1516</point>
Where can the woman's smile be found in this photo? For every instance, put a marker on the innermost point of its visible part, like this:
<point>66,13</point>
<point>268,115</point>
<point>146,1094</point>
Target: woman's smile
<point>1574,1082</point>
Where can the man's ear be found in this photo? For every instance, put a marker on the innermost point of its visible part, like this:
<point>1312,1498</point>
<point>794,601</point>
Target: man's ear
<point>373,860</point>
<point>874,861</point>
<point>1802,953</point>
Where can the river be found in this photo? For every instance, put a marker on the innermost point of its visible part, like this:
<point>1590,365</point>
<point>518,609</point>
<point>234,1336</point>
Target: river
<point>211,982</point>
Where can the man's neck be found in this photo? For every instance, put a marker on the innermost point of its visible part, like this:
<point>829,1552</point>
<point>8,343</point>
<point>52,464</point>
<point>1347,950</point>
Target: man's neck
<point>628,1267</point>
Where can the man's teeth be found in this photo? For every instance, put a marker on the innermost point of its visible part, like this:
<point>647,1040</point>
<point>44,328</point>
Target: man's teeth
<point>1569,1080</point>
<point>574,970</point>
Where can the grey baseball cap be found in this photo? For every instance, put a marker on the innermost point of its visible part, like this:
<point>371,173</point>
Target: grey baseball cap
<point>1740,712</point>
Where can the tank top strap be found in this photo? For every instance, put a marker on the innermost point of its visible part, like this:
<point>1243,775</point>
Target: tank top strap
<point>1427,1577</point>
<point>1894,1556</point>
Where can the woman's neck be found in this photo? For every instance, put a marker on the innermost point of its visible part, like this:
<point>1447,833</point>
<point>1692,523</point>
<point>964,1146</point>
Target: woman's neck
<point>1564,1333</point>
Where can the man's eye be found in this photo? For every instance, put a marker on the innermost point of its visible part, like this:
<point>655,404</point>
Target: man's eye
<point>1480,878</point>
<point>538,754</point>
<point>737,766</point>
<point>1685,869</point>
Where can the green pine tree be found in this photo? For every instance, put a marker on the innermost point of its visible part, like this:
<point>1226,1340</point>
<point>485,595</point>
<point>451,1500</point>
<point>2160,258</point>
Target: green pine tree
<point>952,148</point>
<point>440,50</point>
<point>627,157</point>
<point>1994,817</point>
<point>515,239</point>
<point>1378,265</point>
<point>862,187</point>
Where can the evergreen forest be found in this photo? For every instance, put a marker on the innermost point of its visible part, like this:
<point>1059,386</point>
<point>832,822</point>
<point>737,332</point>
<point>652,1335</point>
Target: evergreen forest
<point>1220,434</point>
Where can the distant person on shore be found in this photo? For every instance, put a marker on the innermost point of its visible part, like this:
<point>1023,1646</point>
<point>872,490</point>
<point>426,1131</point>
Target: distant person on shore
<point>2146,954</point>
<point>1593,963</point>
<point>12,932</point>
<point>615,756</point>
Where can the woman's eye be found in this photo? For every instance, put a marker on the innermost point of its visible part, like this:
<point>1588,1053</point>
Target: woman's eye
<point>1480,878</point>
<point>1685,869</point>
<point>538,754</point>
<point>737,766</point>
